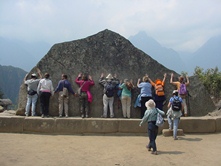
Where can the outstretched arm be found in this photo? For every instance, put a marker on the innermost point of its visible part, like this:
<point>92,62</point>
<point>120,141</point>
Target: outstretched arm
<point>187,80</point>
<point>171,78</point>
<point>138,81</point>
<point>39,72</point>
<point>164,77</point>
<point>26,76</point>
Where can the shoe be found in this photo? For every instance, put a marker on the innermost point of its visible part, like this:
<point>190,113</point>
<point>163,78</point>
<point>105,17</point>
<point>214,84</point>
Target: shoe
<point>42,115</point>
<point>155,152</point>
<point>26,115</point>
<point>60,116</point>
<point>86,116</point>
<point>149,149</point>
<point>66,116</point>
<point>47,116</point>
<point>170,129</point>
<point>82,115</point>
<point>175,138</point>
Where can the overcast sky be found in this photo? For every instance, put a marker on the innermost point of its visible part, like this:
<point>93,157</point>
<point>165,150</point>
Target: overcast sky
<point>183,25</point>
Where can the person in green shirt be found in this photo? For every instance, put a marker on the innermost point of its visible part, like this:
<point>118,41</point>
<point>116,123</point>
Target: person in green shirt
<point>126,87</point>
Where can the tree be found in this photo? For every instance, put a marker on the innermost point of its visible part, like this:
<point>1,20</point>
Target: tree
<point>211,79</point>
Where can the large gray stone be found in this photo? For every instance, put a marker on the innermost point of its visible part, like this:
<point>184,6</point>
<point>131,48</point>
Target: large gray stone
<point>108,52</point>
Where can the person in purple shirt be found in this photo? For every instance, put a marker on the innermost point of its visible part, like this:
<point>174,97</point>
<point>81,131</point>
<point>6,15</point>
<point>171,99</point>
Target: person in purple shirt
<point>63,99</point>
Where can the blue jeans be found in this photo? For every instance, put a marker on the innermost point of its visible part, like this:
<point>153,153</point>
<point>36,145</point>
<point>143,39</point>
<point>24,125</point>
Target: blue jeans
<point>31,103</point>
<point>152,132</point>
<point>175,125</point>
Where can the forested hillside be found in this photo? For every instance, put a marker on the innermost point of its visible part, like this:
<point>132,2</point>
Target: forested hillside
<point>11,79</point>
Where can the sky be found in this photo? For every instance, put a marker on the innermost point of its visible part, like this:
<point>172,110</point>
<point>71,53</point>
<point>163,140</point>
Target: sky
<point>183,25</point>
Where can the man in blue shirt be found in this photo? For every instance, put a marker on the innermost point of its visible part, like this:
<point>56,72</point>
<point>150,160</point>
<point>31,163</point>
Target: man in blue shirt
<point>63,99</point>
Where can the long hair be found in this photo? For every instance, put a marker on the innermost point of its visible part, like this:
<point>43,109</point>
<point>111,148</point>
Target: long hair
<point>47,75</point>
<point>85,77</point>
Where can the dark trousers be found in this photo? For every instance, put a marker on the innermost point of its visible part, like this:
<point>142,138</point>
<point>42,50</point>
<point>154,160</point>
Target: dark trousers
<point>84,104</point>
<point>143,107</point>
<point>44,100</point>
<point>159,101</point>
<point>152,132</point>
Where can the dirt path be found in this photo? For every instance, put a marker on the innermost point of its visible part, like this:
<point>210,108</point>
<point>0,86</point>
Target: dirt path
<point>69,150</point>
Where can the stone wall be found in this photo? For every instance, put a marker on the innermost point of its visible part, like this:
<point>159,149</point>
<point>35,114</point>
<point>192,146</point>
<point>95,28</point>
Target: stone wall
<point>74,125</point>
<point>108,52</point>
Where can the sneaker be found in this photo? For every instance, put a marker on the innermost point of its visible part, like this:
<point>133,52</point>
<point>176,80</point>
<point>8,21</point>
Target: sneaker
<point>175,138</point>
<point>149,149</point>
<point>42,115</point>
<point>155,152</point>
<point>86,116</point>
<point>60,116</point>
<point>26,115</point>
<point>66,116</point>
<point>82,115</point>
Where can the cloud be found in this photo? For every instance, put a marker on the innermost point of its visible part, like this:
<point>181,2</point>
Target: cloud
<point>181,25</point>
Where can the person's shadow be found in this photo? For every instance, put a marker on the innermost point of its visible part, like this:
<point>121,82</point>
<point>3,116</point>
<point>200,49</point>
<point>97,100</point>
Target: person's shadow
<point>190,139</point>
<point>170,152</point>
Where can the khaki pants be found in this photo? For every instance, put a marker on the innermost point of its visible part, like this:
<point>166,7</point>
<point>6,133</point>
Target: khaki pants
<point>63,104</point>
<point>126,103</point>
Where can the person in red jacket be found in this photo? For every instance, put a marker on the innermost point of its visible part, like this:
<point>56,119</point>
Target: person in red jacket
<point>85,82</point>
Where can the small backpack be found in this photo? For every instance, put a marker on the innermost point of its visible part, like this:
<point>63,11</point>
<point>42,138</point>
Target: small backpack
<point>160,120</point>
<point>109,89</point>
<point>176,105</point>
<point>159,90</point>
<point>182,90</point>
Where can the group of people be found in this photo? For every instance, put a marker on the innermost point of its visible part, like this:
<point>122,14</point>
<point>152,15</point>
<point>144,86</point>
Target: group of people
<point>177,103</point>
<point>150,103</point>
<point>43,88</point>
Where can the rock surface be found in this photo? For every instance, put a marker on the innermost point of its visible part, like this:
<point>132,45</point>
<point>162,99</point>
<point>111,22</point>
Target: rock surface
<point>108,52</point>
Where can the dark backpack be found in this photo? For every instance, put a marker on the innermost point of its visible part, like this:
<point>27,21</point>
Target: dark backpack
<point>182,90</point>
<point>176,105</point>
<point>109,89</point>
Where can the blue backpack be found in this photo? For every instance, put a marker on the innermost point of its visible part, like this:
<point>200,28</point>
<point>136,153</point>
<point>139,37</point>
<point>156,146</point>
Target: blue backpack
<point>109,89</point>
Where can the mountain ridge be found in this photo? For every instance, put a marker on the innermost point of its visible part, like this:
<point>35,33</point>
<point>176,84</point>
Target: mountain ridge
<point>207,56</point>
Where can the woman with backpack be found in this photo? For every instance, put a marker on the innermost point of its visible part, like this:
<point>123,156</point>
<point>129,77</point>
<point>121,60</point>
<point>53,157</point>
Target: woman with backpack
<point>150,117</point>
<point>110,86</point>
<point>175,106</point>
<point>159,95</point>
<point>182,90</point>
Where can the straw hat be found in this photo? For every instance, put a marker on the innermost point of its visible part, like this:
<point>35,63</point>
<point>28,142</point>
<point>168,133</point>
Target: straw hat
<point>109,76</point>
<point>150,104</point>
